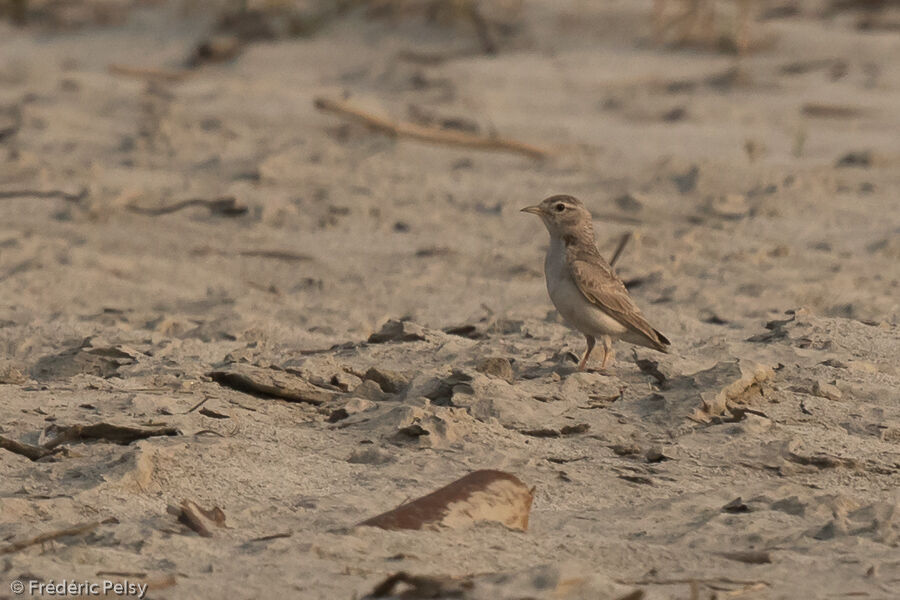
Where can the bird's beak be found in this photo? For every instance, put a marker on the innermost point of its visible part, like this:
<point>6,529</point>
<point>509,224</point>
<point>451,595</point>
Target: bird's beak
<point>535,210</point>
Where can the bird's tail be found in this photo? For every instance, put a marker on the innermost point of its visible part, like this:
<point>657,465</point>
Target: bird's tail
<point>662,342</point>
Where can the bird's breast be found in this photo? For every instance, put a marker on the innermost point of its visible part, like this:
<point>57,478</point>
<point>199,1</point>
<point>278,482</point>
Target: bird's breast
<point>571,303</point>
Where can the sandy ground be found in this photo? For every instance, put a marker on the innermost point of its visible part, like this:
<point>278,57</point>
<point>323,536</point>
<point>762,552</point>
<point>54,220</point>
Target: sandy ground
<point>770,262</point>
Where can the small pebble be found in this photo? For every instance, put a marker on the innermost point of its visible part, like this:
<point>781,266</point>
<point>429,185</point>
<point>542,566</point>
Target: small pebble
<point>497,366</point>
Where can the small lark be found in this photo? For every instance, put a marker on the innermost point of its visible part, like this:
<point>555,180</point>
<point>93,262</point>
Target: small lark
<point>583,286</point>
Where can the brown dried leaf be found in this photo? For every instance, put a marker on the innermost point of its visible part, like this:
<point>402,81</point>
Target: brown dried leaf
<point>479,496</point>
<point>200,519</point>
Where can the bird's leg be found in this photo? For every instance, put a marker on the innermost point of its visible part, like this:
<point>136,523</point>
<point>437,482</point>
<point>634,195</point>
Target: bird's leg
<point>607,351</point>
<point>590,346</point>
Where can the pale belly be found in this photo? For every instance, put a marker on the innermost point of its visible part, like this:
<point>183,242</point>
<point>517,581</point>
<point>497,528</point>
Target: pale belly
<point>574,307</point>
<point>579,312</point>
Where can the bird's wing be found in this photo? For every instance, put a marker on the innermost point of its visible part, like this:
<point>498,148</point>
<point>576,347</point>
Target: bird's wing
<point>599,284</point>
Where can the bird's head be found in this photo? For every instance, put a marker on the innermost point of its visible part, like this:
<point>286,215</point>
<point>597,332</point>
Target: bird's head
<point>562,215</point>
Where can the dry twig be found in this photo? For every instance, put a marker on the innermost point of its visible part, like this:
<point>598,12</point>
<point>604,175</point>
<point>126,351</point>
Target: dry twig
<point>52,535</point>
<point>274,536</point>
<point>285,255</point>
<point>225,205</point>
<point>44,194</point>
<point>428,134</point>
<point>26,450</point>
<point>710,581</point>
<point>622,243</point>
<point>151,73</point>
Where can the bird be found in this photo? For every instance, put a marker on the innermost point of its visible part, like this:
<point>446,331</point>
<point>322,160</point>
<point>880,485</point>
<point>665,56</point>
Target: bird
<point>582,284</point>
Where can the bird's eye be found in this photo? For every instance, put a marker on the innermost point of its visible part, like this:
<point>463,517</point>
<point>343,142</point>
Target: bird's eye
<point>559,207</point>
